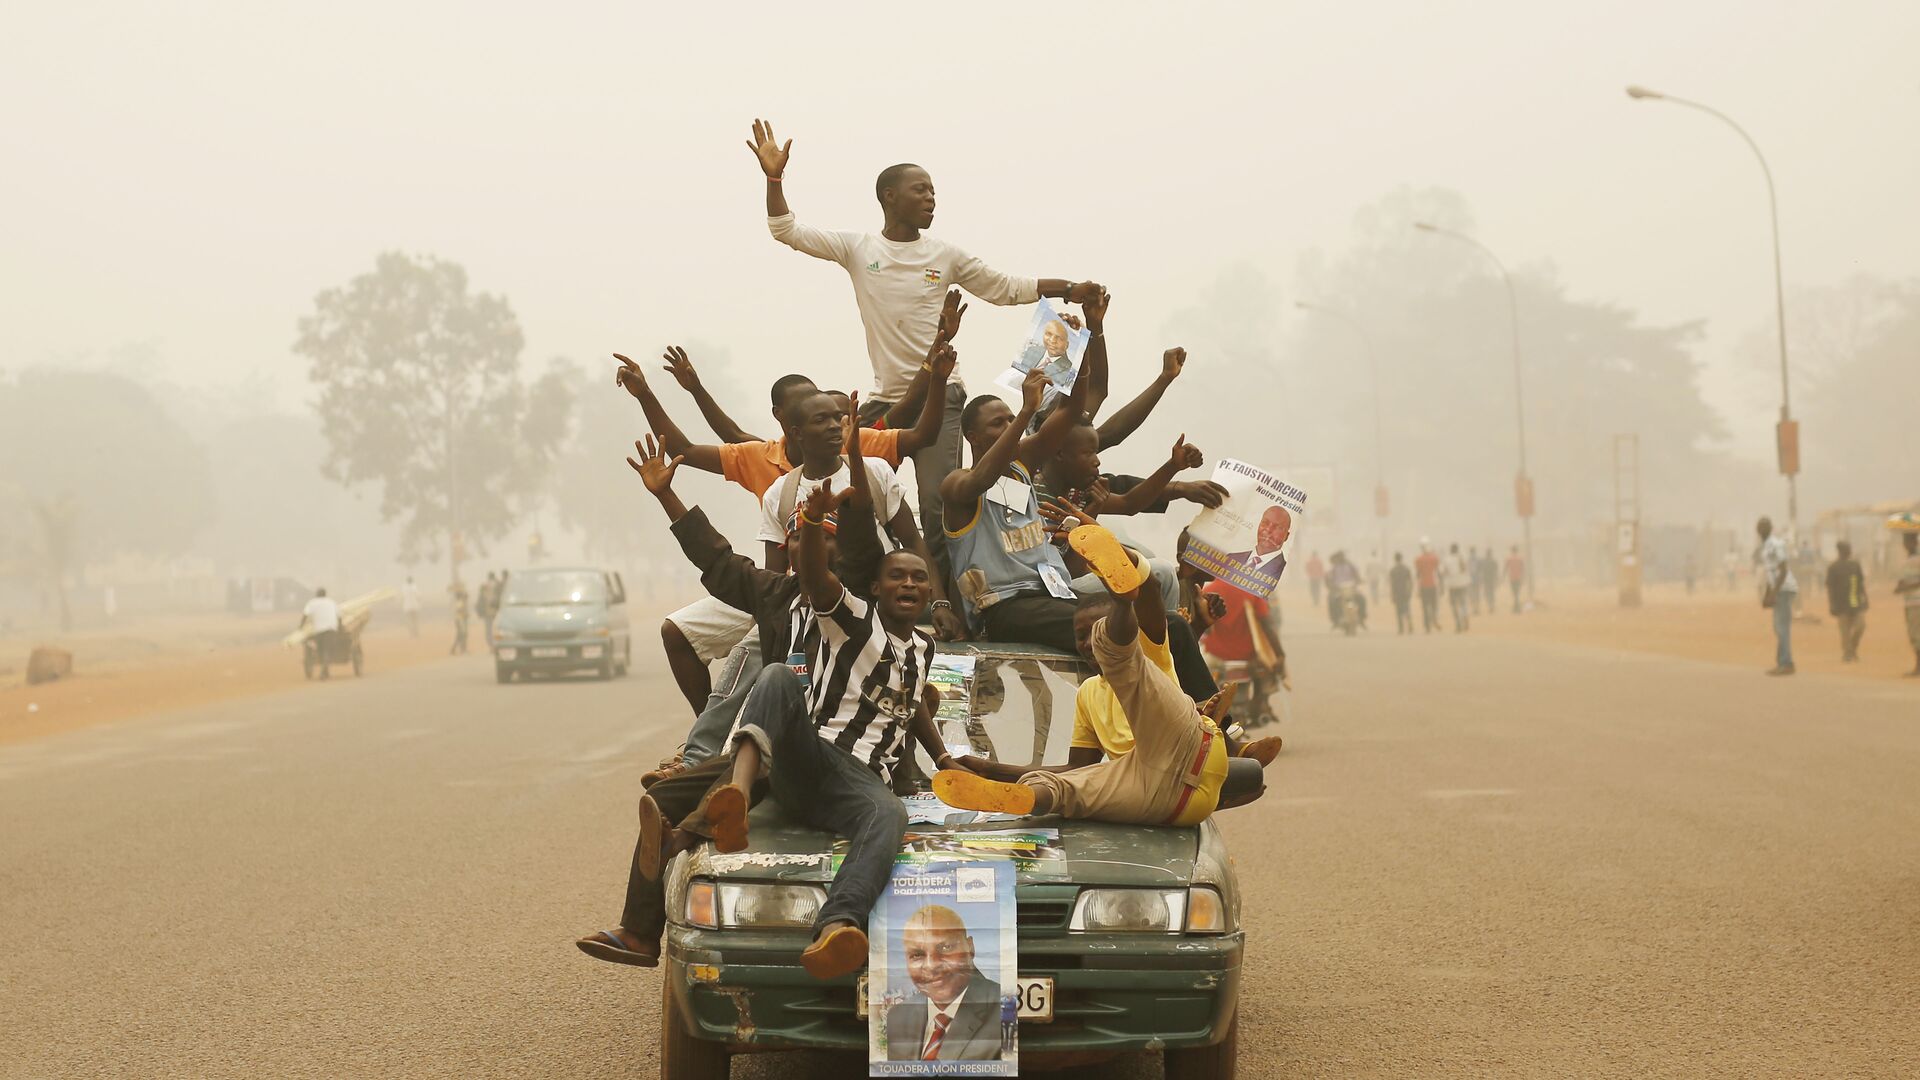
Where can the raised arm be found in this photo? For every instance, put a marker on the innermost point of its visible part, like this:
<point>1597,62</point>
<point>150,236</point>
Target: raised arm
<point>910,408</point>
<point>1146,493</point>
<point>656,471</point>
<point>963,487</point>
<point>1038,448</point>
<point>681,368</point>
<point>1130,416</point>
<point>1094,367</point>
<point>817,580</point>
<point>933,406</point>
<point>675,442</point>
<point>773,162</point>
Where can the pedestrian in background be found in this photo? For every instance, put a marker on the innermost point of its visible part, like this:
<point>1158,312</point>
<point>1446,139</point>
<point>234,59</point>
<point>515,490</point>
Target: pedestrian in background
<point>1316,574</point>
<point>461,613</point>
<point>1459,580</point>
<point>1473,577</point>
<point>1426,570</point>
<point>1401,581</point>
<point>1516,574</point>
<point>1909,587</point>
<point>1487,572</point>
<point>488,604</point>
<point>1847,600</point>
<point>1778,591</point>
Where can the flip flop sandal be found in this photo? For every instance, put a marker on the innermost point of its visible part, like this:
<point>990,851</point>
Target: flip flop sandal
<point>654,830</point>
<point>1106,558</point>
<point>842,951</point>
<point>1262,750</point>
<point>606,945</point>
<point>971,792</point>
<point>725,812</point>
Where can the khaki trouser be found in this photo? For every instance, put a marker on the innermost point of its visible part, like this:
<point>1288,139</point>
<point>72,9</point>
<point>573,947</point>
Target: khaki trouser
<point>1142,787</point>
<point>1913,626</point>
<point>1852,626</point>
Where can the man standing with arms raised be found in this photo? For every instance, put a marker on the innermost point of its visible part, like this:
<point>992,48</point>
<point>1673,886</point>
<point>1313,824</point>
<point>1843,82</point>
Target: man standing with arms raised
<point>900,277</point>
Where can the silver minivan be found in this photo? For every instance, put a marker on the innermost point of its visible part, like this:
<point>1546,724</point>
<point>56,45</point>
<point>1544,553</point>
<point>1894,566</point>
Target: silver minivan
<point>554,620</point>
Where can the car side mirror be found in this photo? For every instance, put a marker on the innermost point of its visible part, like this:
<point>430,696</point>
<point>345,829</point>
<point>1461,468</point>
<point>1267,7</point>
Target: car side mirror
<point>619,589</point>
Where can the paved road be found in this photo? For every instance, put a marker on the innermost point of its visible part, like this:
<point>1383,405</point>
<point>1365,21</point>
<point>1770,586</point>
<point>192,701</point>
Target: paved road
<point>1479,856</point>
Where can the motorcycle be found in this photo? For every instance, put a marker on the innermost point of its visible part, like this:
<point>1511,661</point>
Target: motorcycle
<point>1346,609</point>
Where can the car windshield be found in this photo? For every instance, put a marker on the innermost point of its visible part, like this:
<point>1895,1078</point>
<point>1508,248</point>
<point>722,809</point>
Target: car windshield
<point>1008,708</point>
<point>555,587</point>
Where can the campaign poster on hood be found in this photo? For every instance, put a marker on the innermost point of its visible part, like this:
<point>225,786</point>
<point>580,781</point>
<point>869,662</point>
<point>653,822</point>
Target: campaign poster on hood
<point>942,971</point>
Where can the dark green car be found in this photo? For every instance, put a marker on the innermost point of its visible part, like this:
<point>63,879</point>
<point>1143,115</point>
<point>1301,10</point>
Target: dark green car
<point>1130,939</point>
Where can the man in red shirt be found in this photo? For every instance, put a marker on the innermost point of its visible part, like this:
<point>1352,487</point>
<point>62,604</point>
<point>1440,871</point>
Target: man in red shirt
<point>1316,574</point>
<point>1516,574</point>
<point>1426,571</point>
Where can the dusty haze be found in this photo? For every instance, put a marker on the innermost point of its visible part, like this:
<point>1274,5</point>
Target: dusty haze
<point>184,181</point>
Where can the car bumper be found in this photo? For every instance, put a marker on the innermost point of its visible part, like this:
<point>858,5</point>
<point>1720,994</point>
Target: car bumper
<point>1113,993</point>
<point>576,654</point>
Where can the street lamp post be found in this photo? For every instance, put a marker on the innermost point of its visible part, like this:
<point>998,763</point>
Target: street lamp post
<point>1786,435</point>
<point>1523,484</point>
<point>1373,373</point>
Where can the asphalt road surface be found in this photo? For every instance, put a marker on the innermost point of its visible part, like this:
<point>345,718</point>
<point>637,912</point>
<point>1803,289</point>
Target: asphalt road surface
<point>1477,856</point>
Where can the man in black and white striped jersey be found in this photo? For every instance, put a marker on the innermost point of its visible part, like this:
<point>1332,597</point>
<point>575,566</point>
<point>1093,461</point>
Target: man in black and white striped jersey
<point>833,740</point>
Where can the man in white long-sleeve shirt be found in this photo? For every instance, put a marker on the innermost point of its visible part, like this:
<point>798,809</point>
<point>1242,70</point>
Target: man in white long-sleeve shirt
<point>900,279</point>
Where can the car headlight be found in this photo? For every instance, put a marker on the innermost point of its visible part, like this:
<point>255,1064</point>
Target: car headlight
<point>1149,911</point>
<point>734,905</point>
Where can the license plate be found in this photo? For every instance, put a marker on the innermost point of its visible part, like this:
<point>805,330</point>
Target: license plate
<point>591,651</point>
<point>1035,995</point>
<point>547,652</point>
<point>509,654</point>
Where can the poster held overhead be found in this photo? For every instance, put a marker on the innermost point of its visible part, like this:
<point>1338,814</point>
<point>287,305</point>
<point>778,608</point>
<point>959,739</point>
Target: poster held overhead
<point>1242,541</point>
<point>1052,346</point>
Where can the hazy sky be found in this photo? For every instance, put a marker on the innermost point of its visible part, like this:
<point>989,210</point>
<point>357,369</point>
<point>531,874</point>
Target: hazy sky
<point>192,174</point>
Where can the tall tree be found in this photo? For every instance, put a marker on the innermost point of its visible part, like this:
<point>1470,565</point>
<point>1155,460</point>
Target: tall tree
<point>421,392</point>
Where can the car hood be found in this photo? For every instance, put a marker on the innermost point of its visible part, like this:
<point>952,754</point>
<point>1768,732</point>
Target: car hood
<point>1086,852</point>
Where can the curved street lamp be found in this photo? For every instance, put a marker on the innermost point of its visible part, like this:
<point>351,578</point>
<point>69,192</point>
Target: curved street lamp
<point>1373,370</point>
<point>1786,435</point>
<point>1523,485</point>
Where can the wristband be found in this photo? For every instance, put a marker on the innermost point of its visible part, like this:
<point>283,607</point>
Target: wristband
<point>938,604</point>
<point>805,520</point>
<point>773,179</point>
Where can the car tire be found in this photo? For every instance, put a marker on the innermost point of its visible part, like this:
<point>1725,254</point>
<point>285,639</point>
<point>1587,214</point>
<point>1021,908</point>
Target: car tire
<point>1216,1062</point>
<point>605,670</point>
<point>502,673</point>
<point>683,1057</point>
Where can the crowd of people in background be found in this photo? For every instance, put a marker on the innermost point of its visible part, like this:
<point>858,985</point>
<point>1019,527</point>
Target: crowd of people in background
<point>1778,566</point>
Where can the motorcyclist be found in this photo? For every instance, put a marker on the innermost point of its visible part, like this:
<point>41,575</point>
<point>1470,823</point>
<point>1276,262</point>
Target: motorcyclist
<point>1343,580</point>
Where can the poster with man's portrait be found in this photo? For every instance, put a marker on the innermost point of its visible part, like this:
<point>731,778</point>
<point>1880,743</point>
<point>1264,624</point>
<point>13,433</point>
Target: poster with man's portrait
<point>942,970</point>
<point>1243,540</point>
<point>1052,346</point>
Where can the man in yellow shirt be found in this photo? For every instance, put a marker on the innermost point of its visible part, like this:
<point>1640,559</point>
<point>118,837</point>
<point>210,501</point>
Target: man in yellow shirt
<point>1167,759</point>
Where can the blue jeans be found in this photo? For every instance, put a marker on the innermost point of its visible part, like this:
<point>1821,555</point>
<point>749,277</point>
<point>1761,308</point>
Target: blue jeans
<point>1783,628</point>
<point>823,786</point>
<point>708,735</point>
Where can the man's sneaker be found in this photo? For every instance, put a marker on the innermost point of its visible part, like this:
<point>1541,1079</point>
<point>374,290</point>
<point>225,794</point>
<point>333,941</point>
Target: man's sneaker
<point>1780,671</point>
<point>839,952</point>
<point>668,767</point>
